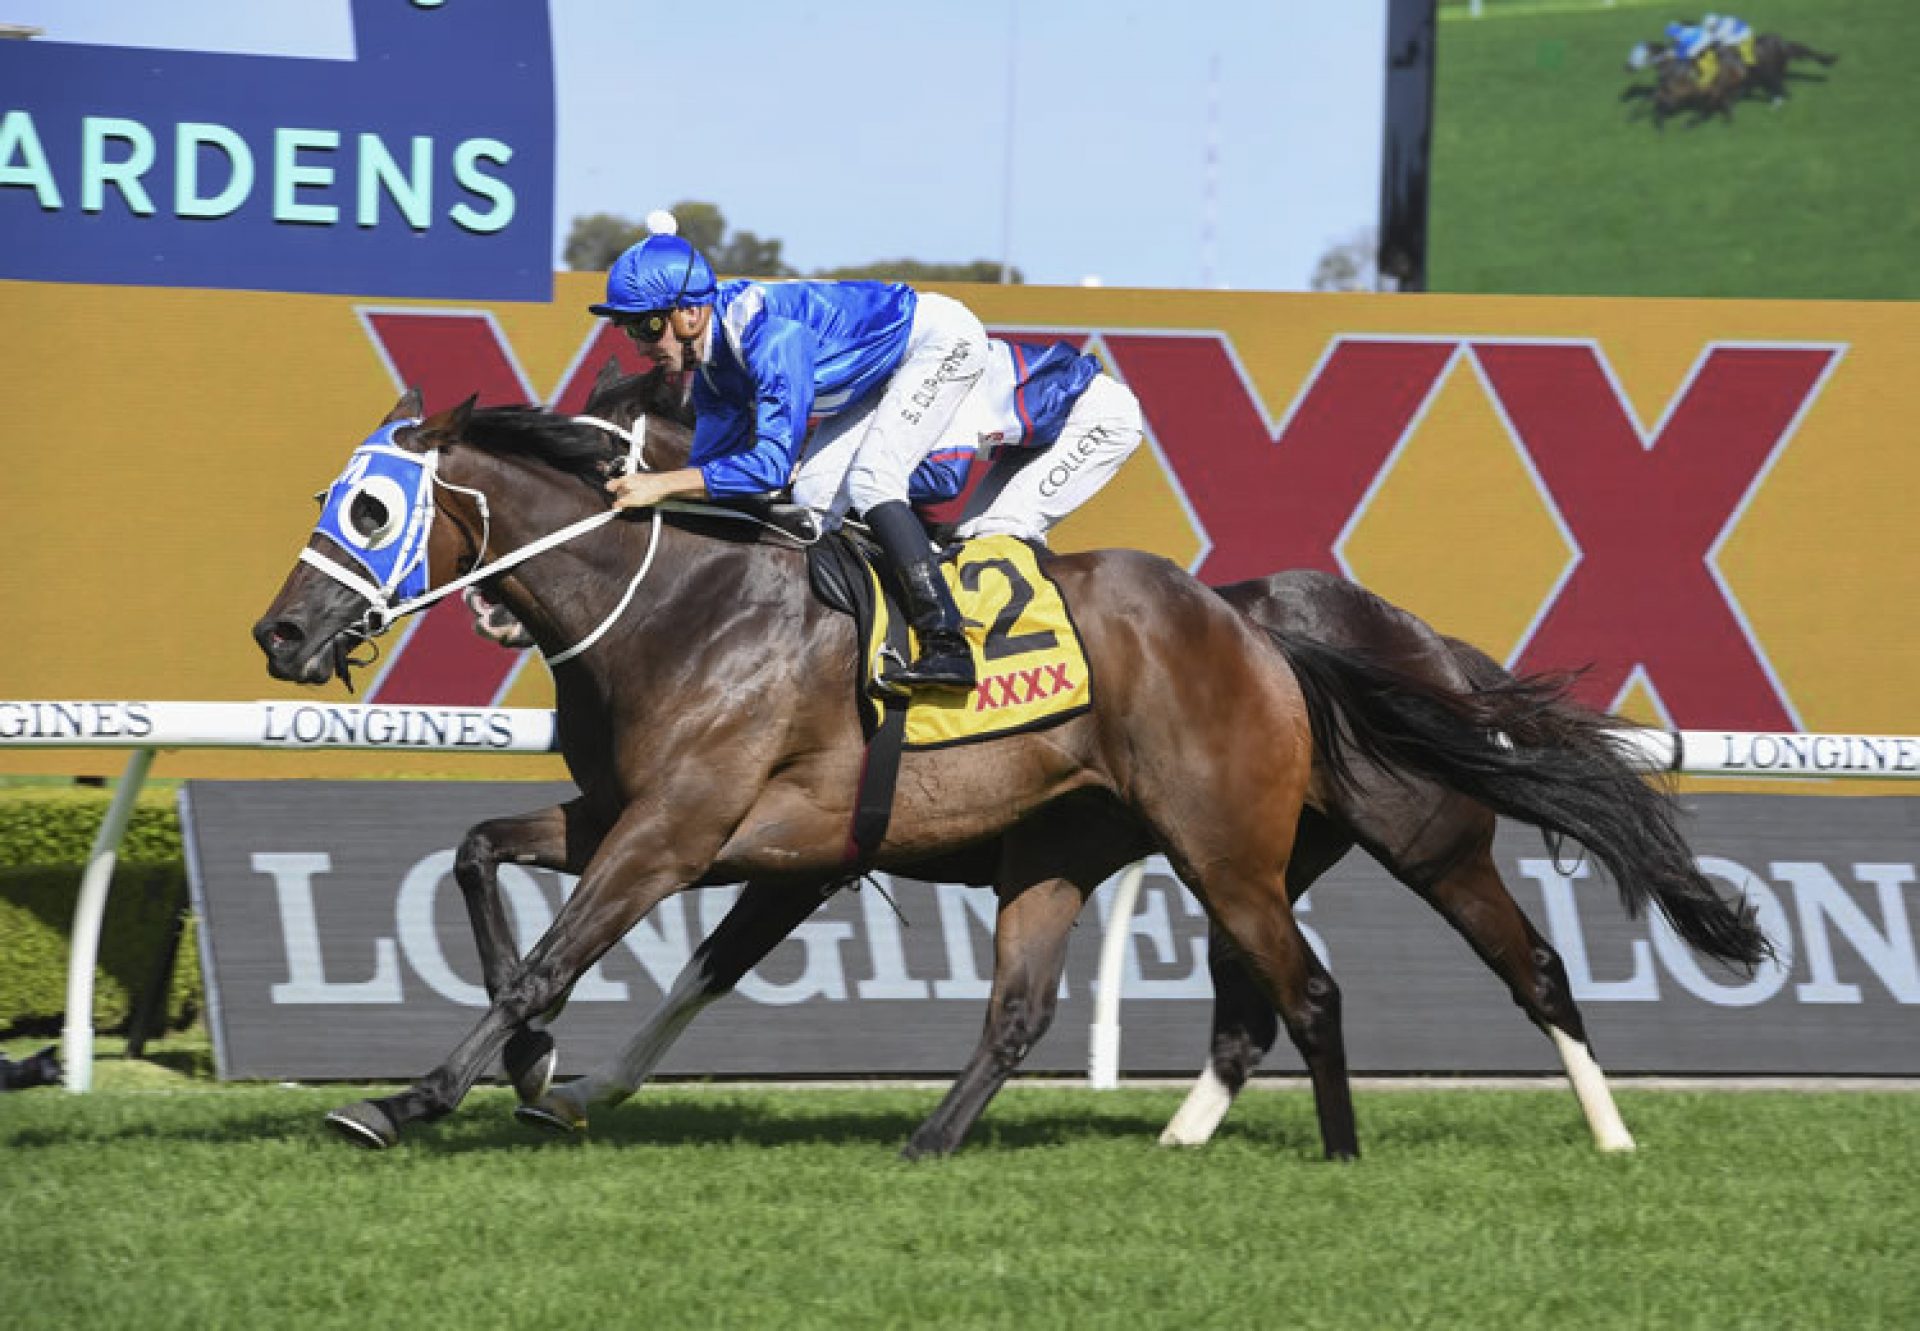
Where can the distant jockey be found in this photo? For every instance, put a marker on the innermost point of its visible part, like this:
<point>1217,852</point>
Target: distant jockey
<point>1693,44</point>
<point>1689,41</point>
<point>1730,34</point>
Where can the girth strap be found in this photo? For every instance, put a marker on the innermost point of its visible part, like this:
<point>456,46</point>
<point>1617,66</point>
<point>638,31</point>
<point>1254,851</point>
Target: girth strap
<point>880,768</point>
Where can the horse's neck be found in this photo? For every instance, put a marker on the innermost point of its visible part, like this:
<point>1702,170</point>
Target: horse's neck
<point>667,445</point>
<point>564,595</point>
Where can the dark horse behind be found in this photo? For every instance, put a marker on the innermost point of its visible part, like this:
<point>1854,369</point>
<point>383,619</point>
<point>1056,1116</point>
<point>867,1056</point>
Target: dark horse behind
<point>709,727</point>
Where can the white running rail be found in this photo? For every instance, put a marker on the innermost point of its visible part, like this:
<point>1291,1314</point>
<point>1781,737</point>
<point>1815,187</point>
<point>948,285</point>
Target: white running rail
<point>148,727</point>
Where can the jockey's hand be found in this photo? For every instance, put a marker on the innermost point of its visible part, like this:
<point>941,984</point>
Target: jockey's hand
<point>643,489</point>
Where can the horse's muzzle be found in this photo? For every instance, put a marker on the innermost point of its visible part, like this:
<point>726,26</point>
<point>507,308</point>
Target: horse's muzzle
<point>291,652</point>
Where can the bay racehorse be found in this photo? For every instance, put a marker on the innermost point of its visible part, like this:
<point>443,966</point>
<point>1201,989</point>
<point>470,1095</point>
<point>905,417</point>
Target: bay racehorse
<point>704,712</point>
<point>1434,839</point>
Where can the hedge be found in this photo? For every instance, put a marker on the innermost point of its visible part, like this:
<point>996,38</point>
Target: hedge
<point>45,835</point>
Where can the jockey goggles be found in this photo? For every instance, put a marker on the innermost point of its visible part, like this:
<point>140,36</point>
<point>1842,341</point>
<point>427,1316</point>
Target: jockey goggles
<point>650,327</point>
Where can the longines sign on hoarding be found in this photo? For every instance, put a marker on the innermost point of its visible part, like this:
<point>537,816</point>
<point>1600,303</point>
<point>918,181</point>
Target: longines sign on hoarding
<point>421,167</point>
<point>336,945</point>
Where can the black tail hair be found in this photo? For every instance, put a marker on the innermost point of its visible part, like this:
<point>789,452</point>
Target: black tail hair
<point>1525,749</point>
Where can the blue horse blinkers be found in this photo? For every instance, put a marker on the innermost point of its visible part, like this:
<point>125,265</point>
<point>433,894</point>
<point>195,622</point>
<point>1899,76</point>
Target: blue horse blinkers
<point>379,513</point>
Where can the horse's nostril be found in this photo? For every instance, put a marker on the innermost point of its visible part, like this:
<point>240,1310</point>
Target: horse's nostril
<point>283,633</point>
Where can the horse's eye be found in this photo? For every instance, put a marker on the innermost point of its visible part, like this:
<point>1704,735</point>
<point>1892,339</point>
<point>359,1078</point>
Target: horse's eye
<point>367,514</point>
<point>373,513</point>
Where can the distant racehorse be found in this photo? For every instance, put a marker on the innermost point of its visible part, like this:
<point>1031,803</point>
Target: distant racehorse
<point>1773,55</point>
<point>1682,85</point>
<point>1678,85</point>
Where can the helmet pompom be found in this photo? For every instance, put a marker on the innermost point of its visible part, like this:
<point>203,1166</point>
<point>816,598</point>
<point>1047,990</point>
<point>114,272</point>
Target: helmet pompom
<point>660,222</point>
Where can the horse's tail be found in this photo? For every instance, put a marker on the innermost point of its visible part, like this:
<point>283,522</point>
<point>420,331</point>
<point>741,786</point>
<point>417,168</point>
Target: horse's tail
<point>1526,750</point>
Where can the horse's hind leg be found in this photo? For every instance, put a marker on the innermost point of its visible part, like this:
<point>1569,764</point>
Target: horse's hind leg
<point>1472,898</point>
<point>1244,1022</point>
<point>1048,869</point>
<point>1254,912</point>
<point>562,837</point>
<point>756,924</point>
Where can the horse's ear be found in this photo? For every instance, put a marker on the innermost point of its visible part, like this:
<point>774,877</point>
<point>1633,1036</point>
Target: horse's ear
<point>604,384</point>
<point>447,424</point>
<point>410,407</point>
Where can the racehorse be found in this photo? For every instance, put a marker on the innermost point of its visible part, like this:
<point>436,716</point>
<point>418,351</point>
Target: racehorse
<point>1679,85</point>
<point>1772,55</point>
<point>705,716</point>
<point>1433,839</point>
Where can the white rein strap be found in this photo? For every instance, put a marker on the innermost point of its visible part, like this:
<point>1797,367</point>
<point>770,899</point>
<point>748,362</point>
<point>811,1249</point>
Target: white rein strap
<point>636,437</point>
<point>380,614</point>
<point>383,615</point>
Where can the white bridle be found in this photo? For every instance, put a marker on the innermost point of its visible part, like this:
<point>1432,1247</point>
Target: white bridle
<point>382,613</point>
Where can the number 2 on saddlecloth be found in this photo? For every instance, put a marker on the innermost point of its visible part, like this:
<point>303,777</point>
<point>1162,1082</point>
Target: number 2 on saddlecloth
<point>1001,641</point>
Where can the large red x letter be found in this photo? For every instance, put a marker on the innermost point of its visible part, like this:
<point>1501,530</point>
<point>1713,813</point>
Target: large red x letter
<point>1646,514</point>
<point>1268,502</point>
<point>448,354</point>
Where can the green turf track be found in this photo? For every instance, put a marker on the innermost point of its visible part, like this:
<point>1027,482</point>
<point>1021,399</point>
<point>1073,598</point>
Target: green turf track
<point>1542,184</point>
<point>722,1207</point>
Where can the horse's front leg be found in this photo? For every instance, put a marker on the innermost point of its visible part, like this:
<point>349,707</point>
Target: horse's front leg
<point>762,917</point>
<point>563,837</point>
<point>647,857</point>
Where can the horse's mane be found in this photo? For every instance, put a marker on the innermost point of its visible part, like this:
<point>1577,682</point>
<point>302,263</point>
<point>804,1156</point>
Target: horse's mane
<point>537,433</point>
<point>560,441</point>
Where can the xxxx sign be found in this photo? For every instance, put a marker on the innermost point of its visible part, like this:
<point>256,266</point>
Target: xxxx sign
<point>1643,509</point>
<point>1703,504</point>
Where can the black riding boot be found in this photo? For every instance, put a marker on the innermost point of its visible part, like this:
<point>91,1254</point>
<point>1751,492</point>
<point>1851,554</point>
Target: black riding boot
<point>945,660</point>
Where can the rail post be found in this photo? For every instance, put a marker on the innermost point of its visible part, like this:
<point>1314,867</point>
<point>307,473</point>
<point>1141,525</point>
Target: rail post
<point>89,911</point>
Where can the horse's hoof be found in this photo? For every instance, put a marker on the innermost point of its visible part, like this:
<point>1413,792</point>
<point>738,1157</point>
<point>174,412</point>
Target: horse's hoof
<point>365,1124</point>
<point>553,1116</point>
<point>530,1060</point>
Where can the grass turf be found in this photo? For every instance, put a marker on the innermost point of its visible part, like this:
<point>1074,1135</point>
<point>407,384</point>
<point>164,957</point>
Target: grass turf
<point>713,1206</point>
<point>1542,183</point>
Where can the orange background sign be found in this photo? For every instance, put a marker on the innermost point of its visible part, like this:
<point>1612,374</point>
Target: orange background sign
<point>1707,502</point>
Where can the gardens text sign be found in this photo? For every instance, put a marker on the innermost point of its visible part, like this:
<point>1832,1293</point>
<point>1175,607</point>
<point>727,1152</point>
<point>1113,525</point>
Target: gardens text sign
<point>422,167</point>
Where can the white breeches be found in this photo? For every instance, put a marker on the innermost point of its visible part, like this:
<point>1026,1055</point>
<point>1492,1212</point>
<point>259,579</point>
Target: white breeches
<point>1026,495</point>
<point>866,454</point>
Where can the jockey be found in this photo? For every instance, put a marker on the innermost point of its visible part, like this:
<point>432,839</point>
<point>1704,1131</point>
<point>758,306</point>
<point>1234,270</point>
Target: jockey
<point>882,366</point>
<point>1690,40</point>
<point>1730,33</point>
<point>1046,427</point>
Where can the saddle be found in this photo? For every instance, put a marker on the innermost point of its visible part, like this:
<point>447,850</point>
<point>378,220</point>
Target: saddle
<point>1032,669</point>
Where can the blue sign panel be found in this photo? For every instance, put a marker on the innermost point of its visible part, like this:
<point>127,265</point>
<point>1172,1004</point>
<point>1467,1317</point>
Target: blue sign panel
<point>422,167</point>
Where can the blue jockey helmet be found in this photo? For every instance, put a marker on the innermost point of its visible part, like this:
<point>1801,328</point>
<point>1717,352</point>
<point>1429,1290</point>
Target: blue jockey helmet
<point>659,273</point>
